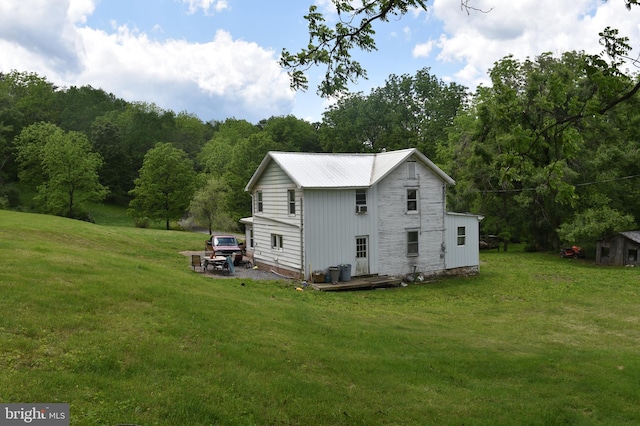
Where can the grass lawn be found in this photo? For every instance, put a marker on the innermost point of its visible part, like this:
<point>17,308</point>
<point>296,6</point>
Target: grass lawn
<point>113,321</point>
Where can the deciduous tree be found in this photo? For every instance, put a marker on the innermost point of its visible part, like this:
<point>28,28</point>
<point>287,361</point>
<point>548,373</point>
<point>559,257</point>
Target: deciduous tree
<point>165,186</point>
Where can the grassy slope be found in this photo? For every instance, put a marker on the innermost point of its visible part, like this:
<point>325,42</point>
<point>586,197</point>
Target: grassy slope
<point>113,321</point>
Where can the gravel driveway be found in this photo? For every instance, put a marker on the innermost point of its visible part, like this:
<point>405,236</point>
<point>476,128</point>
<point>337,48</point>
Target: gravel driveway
<point>242,272</point>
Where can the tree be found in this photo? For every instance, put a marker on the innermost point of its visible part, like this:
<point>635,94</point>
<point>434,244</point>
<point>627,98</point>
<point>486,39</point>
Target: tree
<point>29,147</point>
<point>209,205</point>
<point>533,136</point>
<point>292,134</point>
<point>61,167</point>
<point>215,157</point>
<point>72,171</point>
<point>593,224</point>
<point>408,111</point>
<point>165,186</point>
<point>332,47</point>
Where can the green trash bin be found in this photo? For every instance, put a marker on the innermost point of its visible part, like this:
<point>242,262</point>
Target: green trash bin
<point>345,272</point>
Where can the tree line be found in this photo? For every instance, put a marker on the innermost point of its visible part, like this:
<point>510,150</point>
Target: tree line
<point>549,153</point>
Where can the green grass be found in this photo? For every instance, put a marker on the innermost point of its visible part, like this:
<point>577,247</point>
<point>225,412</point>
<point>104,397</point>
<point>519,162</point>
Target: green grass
<point>113,321</point>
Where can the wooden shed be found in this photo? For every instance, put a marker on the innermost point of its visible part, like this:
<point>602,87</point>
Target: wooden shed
<point>619,250</point>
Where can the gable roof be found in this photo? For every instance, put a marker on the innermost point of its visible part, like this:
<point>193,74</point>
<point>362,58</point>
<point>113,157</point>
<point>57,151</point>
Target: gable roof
<point>316,170</point>
<point>632,235</point>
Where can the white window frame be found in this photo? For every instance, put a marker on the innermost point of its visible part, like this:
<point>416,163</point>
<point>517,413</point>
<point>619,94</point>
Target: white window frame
<point>411,169</point>
<point>259,202</point>
<point>462,236</point>
<point>291,201</point>
<point>414,200</point>
<point>411,251</point>
<point>276,242</point>
<point>361,200</point>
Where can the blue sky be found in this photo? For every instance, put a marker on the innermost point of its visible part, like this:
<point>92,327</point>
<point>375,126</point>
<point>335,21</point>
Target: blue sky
<point>218,58</point>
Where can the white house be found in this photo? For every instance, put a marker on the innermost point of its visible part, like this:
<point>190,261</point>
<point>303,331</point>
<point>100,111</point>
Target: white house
<point>383,214</point>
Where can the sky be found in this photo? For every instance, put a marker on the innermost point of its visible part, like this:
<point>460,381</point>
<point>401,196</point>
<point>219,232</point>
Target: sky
<point>218,59</point>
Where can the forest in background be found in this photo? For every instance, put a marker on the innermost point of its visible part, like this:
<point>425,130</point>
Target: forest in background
<point>549,154</point>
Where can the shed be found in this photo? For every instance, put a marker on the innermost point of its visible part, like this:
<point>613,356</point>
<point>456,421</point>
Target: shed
<point>619,250</point>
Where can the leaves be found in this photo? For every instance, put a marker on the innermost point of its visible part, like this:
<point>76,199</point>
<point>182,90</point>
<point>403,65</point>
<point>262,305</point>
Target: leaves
<point>332,47</point>
<point>165,186</point>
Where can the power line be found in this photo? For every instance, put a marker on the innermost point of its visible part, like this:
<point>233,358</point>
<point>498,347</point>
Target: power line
<point>506,191</point>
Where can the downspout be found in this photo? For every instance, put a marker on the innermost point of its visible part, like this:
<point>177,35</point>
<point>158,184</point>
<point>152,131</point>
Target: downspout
<point>443,246</point>
<point>302,244</point>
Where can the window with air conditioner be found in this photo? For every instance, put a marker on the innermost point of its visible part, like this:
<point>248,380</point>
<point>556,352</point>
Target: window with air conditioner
<point>361,201</point>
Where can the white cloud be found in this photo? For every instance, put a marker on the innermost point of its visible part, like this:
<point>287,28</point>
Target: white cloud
<point>207,6</point>
<point>423,50</point>
<point>216,79</point>
<point>525,28</point>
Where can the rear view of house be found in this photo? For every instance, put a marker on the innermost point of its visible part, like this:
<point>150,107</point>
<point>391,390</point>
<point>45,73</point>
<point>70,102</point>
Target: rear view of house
<point>380,214</point>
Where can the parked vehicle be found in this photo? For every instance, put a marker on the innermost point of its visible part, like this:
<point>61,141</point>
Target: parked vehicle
<point>572,252</point>
<point>225,245</point>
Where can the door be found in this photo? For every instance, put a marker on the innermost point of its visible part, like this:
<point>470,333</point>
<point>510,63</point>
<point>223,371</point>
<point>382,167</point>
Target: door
<point>362,255</point>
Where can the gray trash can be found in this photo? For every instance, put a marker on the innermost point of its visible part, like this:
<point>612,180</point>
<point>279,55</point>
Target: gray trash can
<point>334,272</point>
<point>345,272</point>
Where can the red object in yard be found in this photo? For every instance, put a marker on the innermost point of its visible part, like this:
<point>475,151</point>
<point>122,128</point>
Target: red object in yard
<point>572,252</point>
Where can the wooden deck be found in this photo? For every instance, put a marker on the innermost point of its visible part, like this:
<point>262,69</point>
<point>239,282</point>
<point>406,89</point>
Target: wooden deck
<point>357,283</point>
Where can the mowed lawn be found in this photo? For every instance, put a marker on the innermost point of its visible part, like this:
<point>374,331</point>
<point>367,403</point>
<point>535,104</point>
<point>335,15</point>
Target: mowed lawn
<point>113,321</point>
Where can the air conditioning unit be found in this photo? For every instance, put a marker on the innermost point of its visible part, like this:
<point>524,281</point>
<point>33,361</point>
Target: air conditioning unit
<point>361,209</point>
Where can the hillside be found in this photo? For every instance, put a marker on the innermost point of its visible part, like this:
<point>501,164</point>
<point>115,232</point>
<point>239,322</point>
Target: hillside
<point>113,321</point>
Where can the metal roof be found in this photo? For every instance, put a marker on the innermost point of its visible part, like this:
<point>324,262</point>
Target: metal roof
<point>316,170</point>
<point>632,235</point>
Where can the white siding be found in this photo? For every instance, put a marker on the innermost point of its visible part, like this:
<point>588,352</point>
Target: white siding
<point>458,256</point>
<point>275,219</point>
<point>394,222</point>
<point>331,226</point>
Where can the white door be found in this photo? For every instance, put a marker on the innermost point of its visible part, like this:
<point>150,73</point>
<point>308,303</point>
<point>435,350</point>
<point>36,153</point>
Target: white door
<point>362,255</point>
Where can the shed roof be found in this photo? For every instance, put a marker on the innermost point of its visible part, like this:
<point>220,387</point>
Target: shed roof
<point>315,170</point>
<point>632,235</point>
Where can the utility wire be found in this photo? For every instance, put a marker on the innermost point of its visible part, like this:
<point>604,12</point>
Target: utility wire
<point>502,191</point>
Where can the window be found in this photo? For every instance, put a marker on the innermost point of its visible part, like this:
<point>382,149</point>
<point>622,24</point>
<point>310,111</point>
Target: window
<point>604,251</point>
<point>412,243</point>
<point>361,247</point>
<point>361,200</point>
<point>411,169</point>
<point>412,200</point>
<point>251,238</point>
<point>462,235</point>
<point>276,242</point>
<point>291,196</point>
<point>632,255</point>
<point>259,201</point>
